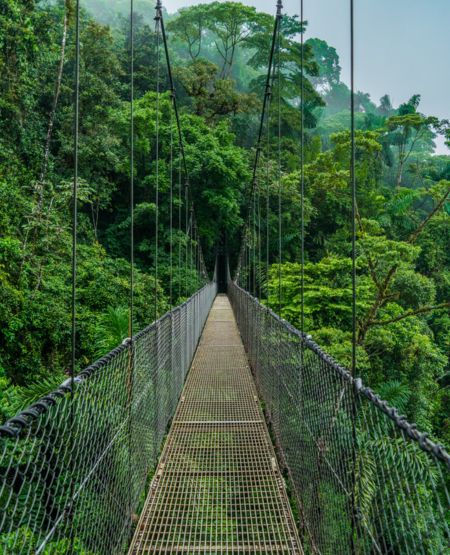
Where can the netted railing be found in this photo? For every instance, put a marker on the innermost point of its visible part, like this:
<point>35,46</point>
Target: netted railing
<point>363,479</point>
<point>73,466</point>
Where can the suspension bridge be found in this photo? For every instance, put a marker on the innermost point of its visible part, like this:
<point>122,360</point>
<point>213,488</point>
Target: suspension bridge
<point>219,428</point>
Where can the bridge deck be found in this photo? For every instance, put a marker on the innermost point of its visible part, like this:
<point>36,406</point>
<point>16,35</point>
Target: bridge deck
<point>217,488</point>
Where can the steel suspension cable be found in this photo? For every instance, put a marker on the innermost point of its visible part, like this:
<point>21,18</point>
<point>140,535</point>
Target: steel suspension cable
<point>268,203</point>
<point>250,246</point>
<point>196,251</point>
<point>159,15</point>
<point>160,19</point>
<point>353,181</point>
<point>279,163</point>
<point>353,242</point>
<point>157,31</point>
<point>258,189</point>
<point>171,211</point>
<point>301,373</point>
<point>255,240</point>
<point>266,99</point>
<point>267,91</point>
<point>302,175</point>
<point>186,230</point>
<point>180,202</point>
<point>131,358</point>
<point>131,300</point>
<point>191,236</point>
<point>74,268</point>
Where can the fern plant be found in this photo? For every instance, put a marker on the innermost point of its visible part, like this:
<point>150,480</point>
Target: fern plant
<point>112,329</point>
<point>25,396</point>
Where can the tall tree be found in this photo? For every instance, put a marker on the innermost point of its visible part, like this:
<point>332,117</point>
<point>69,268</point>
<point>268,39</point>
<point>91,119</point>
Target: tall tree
<point>232,24</point>
<point>189,26</point>
<point>329,69</point>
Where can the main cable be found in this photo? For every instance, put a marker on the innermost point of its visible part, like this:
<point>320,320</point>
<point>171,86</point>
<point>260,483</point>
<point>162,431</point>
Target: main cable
<point>266,99</point>
<point>189,207</point>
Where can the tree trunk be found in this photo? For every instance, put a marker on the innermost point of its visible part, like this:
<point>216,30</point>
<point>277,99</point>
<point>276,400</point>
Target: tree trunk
<point>51,119</point>
<point>39,188</point>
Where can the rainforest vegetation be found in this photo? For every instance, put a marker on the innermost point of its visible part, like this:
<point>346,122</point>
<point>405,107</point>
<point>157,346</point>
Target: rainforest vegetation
<point>219,54</point>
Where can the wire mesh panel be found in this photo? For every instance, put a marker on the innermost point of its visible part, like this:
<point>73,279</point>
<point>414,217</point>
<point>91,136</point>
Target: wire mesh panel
<point>365,480</point>
<point>73,466</point>
<point>218,488</point>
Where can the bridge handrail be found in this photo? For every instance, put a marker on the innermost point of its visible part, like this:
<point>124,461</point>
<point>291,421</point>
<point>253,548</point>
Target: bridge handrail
<point>14,426</point>
<point>364,479</point>
<point>74,465</point>
<point>422,439</point>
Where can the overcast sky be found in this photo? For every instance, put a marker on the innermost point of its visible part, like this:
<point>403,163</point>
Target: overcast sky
<point>402,46</point>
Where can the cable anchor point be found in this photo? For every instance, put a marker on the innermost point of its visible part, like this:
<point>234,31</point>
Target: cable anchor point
<point>158,9</point>
<point>279,7</point>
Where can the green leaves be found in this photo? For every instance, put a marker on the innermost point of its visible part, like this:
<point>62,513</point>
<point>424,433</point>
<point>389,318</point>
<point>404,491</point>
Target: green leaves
<point>328,293</point>
<point>111,330</point>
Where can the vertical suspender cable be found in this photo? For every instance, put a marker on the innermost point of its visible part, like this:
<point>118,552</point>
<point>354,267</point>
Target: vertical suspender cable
<point>353,233</point>
<point>279,155</point>
<point>197,254</point>
<point>131,314</point>
<point>191,241</point>
<point>259,238</point>
<point>171,208</point>
<point>194,248</point>
<point>131,297</point>
<point>253,243</point>
<point>74,266</point>
<point>186,228</point>
<point>157,20</point>
<point>249,273</point>
<point>302,175</point>
<point>353,183</point>
<point>247,263</point>
<point>180,201</point>
<point>255,239</point>
<point>302,207</point>
<point>268,202</point>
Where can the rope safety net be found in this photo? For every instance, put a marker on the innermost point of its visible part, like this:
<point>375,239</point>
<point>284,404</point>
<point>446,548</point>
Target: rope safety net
<point>363,479</point>
<point>74,466</point>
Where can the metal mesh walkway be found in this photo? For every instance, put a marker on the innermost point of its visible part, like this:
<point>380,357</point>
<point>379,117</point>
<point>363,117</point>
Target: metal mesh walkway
<point>217,488</point>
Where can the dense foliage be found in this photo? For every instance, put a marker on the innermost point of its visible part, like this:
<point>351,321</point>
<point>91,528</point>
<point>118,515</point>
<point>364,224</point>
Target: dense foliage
<point>219,53</point>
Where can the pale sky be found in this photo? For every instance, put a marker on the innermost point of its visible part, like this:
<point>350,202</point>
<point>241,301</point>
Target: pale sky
<point>402,46</point>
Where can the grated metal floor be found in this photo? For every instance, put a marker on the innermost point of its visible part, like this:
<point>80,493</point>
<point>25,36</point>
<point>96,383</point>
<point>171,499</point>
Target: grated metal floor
<point>218,488</point>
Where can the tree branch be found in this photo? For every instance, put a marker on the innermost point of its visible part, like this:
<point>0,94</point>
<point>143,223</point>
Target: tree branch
<point>409,313</point>
<point>436,209</point>
<point>369,258</point>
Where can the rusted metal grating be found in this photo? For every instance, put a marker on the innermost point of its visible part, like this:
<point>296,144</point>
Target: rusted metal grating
<point>218,488</point>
